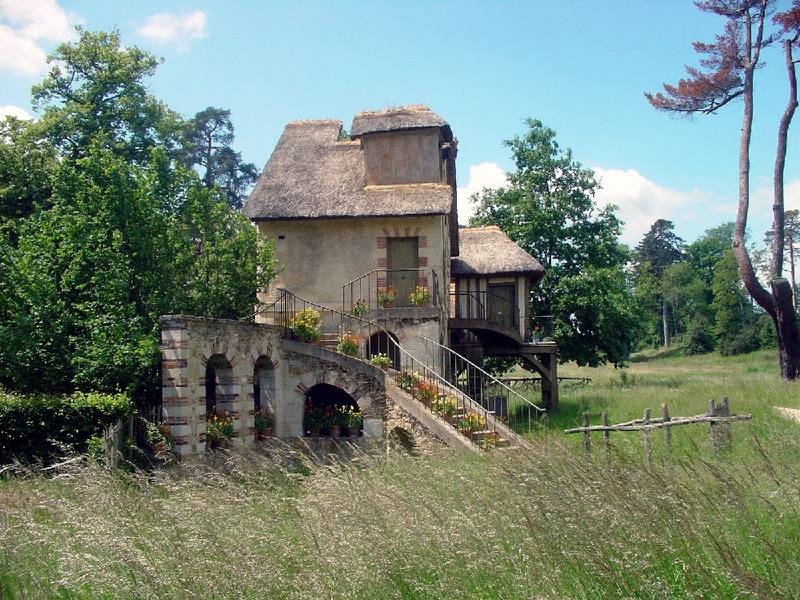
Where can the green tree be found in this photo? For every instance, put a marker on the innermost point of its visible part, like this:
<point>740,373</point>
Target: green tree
<point>548,209</point>
<point>659,248</point>
<point>94,94</point>
<point>708,249</point>
<point>729,304</point>
<point>207,144</point>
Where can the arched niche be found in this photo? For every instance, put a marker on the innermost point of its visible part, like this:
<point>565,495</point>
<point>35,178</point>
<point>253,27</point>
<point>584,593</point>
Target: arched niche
<point>323,402</point>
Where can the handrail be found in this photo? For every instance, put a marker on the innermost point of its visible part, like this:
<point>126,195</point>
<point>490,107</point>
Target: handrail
<point>477,306</point>
<point>467,402</point>
<point>495,380</point>
<point>370,297</point>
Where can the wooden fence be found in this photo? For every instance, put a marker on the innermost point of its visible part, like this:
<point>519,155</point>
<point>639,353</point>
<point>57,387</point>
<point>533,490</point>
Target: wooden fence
<point>718,417</point>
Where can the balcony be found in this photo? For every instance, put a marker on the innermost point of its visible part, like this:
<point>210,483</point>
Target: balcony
<point>390,289</point>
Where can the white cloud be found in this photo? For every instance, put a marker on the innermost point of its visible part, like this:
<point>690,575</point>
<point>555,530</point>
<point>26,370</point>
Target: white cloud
<point>165,28</point>
<point>9,110</point>
<point>642,201</point>
<point>24,24</point>
<point>791,195</point>
<point>483,175</point>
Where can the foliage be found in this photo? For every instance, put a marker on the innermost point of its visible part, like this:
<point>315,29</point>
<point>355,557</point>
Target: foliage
<point>548,208</point>
<point>444,405</point>
<point>306,325</point>
<point>704,253</point>
<point>43,427</point>
<point>600,321</point>
<point>207,143</point>
<point>360,307</point>
<point>219,428</point>
<point>93,96</point>
<point>386,296</point>
<point>660,247</point>
<point>406,380</point>
<point>381,360</point>
<point>425,391</point>
<point>348,344</point>
<point>471,422</point>
<point>698,338</point>
<point>351,417</point>
<point>420,296</point>
<point>263,421</point>
<point>108,231</point>
<point>728,303</point>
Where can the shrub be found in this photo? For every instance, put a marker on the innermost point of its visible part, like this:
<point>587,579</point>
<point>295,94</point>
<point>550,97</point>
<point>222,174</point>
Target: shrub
<point>307,325</point>
<point>381,360</point>
<point>359,308</point>
<point>697,341</point>
<point>348,344</point>
<point>420,296</point>
<point>219,428</point>
<point>43,427</point>
<point>406,380</point>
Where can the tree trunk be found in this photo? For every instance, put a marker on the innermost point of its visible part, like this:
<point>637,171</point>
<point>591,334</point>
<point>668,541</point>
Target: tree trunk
<point>665,320</point>
<point>788,333</point>
<point>791,271</point>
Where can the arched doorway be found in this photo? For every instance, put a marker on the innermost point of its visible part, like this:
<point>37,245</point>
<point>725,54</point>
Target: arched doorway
<point>379,343</point>
<point>220,392</point>
<point>263,397</point>
<point>331,412</point>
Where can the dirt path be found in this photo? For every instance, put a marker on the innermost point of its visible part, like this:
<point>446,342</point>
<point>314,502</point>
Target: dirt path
<point>789,413</point>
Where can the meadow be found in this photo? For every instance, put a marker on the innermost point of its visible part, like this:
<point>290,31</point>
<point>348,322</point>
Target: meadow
<point>546,522</point>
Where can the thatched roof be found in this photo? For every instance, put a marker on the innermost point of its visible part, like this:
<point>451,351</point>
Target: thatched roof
<point>312,175</point>
<point>392,119</point>
<point>488,251</point>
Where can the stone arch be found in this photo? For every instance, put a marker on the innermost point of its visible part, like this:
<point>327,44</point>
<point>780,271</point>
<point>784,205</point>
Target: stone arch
<point>378,343</point>
<point>323,402</point>
<point>264,400</point>
<point>220,385</point>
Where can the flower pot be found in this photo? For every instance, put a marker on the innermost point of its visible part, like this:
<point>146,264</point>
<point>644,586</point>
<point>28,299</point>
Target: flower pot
<point>354,431</point>
<point>336,431</point>
<point>314,433</point>
<point>267,433</point>
<point>387,304</point>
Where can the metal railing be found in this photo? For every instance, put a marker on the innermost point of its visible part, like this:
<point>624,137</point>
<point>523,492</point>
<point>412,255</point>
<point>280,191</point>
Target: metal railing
<point>509,406</point>
<point>541,329</point>
<point>389,288</point>
<point>485,306</point>
<point>358,337</point>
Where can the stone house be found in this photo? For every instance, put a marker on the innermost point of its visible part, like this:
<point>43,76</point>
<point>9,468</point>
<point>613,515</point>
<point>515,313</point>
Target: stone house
<point>366,232</point>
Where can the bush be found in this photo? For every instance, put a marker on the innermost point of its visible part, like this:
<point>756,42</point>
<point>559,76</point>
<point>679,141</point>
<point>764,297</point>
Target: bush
<point>698,340</point>
<point>43,427</point>
<point>746,341</point>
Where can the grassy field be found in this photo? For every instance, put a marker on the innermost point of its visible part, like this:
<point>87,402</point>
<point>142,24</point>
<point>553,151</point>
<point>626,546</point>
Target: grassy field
<point>543,523</point>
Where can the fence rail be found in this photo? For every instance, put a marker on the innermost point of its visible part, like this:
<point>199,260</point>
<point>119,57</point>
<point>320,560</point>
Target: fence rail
<point>718,418</point>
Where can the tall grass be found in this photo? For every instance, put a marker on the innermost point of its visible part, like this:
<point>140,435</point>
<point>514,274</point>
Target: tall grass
<point>546,522</point>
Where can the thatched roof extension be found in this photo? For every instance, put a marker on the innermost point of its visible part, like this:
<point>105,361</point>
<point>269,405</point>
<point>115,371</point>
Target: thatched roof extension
<point>489,251</point>
<point>392,119</point>
<point>312,175</point>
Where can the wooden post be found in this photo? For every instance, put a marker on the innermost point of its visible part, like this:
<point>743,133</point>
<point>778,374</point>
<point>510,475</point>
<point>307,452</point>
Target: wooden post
<point>587,442</point>
<point>648,449</point>
<point>712,430</point>
<point>665,418</point>
<point>724,429</point>
<point>606,434</point>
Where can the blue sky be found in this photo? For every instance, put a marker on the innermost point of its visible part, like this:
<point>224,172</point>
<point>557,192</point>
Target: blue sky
<point>579,66</point>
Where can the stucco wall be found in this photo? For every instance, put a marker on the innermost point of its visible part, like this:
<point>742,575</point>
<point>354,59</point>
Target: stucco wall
<point>399,157</point>
<point>318,256</point>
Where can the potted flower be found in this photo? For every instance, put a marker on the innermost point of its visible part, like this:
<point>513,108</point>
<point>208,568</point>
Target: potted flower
<point>352,420</point>
<point>314,421</point>
<point>471,422</point>
<point>406,380</point>
<point>348,344</point>
<point>264,422</point>
<point>425,392</point>
<point>420,296</point>
<point>219,429</point>
<point>359,308</point>
<point>445,406</point>
<point>306,325</point>
<point>381,360</point>
<point>387,296</point>
<point>333,421</point>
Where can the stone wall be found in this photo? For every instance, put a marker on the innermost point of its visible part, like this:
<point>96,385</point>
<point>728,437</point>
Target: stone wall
<point>188,343</point>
